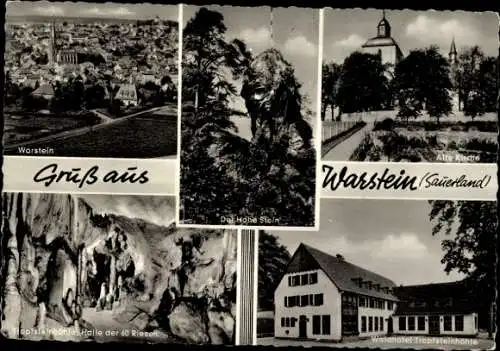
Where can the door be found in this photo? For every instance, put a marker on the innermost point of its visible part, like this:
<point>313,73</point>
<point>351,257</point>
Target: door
<point>434,325</point>
<point>302,327</point>
<point>389,326</point>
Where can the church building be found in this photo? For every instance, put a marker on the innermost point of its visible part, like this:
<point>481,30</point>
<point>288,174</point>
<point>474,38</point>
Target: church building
<point>384,45</point>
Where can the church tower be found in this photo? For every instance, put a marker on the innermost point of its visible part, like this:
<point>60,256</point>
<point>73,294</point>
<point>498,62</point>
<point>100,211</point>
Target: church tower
<point>453,55</point>
<point>52,44</point>
<point>383,28</point>
<point>453,60</point>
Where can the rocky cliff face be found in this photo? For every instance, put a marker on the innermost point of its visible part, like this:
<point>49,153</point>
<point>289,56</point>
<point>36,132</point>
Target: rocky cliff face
<point>71,262</point>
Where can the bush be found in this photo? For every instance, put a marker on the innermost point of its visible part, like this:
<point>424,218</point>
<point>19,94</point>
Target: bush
<point>387,124</point>
<point>363,149</point>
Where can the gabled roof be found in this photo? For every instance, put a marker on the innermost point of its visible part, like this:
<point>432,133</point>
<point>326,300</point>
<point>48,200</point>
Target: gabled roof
<point>44,89</point>
<point>438,298</point>
<point>127,92</point>
<point>343,274</point>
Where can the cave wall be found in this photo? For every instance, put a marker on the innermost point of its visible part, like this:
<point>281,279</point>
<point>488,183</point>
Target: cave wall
<point>38,232</point>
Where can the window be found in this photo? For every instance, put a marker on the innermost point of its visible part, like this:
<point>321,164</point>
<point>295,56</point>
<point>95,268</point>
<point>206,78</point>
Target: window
<point>411,323</point>
<point>459,323</point>
<point>304,300</point>
<point>421,323</point>
<point>376,323</point>
<point>318,300</point>
<point>370,324</point>
<point>447,323</point>
<point>283,321</point>
<point>402,323</point>
<point>326,324</point>
<point>390,305</point>
<point>316,325</point>
<point>292,322</point>
<point>304,279</point>
<point>363,324</point>
<point>286,301</point>
<point>475,322</point>
<point>313,278</point>
<point>381,323</point>
<point>372,303</point>
<point>290,280</point>
<point>361,302</point>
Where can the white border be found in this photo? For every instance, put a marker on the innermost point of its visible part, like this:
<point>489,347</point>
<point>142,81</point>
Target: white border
<point>256,285</point>
<point>238,289</point>
<point>177,186</point>
<point>27,163</point>
<point>319,124</point>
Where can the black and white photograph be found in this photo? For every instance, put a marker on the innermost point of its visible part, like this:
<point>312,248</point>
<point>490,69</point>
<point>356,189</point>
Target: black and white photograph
<point>388,274</point>
<point>249,102</point>
<point>410,86</point>
<point>113,268</point>
<point>91,79</point>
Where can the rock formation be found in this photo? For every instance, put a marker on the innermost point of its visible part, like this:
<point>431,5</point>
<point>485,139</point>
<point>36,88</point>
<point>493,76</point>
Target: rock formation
<point>65,263</point>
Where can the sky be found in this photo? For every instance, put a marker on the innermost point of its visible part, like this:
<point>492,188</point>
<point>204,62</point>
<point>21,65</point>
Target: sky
<point>93,10</point>
<point>389,237</point>
<point>295,32</point>
<point>346,30</point>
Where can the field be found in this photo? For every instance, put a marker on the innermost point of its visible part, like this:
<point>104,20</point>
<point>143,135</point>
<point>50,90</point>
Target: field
<point>20,128</point>
<point>147,136</point>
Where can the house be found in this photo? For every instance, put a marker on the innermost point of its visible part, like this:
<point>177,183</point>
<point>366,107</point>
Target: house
<point>435,309</point>
<point>45,91</point>
<point>127,94</point>
<point>325,297</point>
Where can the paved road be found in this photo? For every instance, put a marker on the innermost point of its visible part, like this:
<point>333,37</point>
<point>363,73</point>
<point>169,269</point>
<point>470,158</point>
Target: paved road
<point>113,330</point>
<point>344,150</point>
<point>440,343</point>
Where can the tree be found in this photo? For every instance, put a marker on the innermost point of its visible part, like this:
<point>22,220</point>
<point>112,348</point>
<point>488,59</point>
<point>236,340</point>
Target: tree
<point>95,96</point>
<point>207,55</point>
<point>330,84</point>
<point>203,52</point>
<point>422,80</point>
<point>470,245</point>
<point>466,79</point>
<point>364,85</point>
<point>487,83</point>
<point>273,260</point>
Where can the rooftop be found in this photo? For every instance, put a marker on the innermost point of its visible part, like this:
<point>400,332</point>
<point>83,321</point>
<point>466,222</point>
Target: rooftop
<point>344,274</point>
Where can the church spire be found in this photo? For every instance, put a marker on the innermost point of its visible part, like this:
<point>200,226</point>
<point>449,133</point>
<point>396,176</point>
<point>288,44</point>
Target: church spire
<point>453,51</point>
